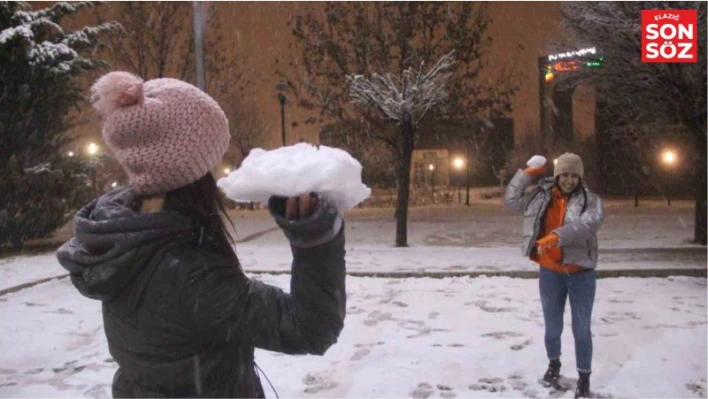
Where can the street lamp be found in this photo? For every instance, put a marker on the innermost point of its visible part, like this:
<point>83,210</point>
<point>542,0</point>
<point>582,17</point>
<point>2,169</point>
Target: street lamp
<point>431,168</point>
<point>282,86</point>
<point>458,163</point>
<point>70,153</point>
<point>92,150</point>
<point>669,158</point>
<point>227,171</point>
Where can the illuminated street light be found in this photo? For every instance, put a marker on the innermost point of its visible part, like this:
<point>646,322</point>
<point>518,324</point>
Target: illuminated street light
<point>431,168</point>
<point>115,184</point>
<point>70,153</point>
<point>669,157</point>
<point>555,161</point>
<point>459,163</point>
<point>92,149</point>
<point>227,171</point>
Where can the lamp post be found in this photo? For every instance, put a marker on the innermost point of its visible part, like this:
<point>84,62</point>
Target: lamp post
<point>282,86</point>
<point>431,168</point>
<point>501,174</point>
<point>282,99</point>
<point>469,173</point>
<point>458,163</point>
<point>198,25</point>
<point>669,158</point>
<point>92,150</point>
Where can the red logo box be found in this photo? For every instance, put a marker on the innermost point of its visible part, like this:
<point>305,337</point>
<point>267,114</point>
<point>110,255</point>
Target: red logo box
<point>669,36</point>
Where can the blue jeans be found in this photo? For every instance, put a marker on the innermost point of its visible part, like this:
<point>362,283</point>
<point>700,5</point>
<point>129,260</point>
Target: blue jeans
<point>555,288</point>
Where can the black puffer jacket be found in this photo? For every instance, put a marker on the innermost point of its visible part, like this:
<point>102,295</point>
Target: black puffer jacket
<point>182,321</point>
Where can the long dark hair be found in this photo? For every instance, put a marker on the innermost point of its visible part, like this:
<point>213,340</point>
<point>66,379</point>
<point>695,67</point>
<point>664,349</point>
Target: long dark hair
<point>202,202</point>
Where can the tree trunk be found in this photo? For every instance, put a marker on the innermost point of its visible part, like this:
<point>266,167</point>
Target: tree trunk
<point>700,196</point>
<point>468,166</point>
<point>403,180</point>
<point>700,185</point>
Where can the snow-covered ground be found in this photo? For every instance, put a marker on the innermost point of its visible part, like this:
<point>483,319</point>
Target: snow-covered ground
<point>456,337</point>
<point>414,337</point>
<point>452,239</point>
<point>276,257</point>
<point>24,269</point>
<point>486,224</point>
<point>484,237</point>
<point>377,259</point>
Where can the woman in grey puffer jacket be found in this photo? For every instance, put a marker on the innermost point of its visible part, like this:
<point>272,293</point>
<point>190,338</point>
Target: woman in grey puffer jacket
<point>561,220</point>
<point>181,318</point>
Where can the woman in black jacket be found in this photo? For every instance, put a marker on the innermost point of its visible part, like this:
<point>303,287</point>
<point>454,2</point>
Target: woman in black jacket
<point>181,318</point>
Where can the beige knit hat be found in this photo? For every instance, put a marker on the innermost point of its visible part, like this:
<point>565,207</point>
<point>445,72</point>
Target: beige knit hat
<point>166,133</point>
<point>568,163</point>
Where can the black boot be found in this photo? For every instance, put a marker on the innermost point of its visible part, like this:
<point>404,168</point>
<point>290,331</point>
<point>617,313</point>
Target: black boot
<point>583,389</point>
<point>553,372</point>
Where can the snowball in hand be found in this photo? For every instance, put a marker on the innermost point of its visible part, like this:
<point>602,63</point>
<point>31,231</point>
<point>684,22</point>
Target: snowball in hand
<point>302,168</point>
<point>536,161</point>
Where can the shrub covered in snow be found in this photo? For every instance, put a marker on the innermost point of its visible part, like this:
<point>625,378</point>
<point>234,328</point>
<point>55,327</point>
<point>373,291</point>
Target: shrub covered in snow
<point>40,62</point>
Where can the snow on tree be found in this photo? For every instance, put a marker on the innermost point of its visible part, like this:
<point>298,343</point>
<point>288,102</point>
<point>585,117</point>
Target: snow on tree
<point>40,62</point>
<point>405,99</point>
<point>355,38</point>
<point>637,93</point>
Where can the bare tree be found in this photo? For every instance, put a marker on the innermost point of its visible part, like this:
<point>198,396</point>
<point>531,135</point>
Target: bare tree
<point>157,40</point>
<point>248,129</point>
<point>406,100</point>
<point>637,93</point>
<point>366,38</point>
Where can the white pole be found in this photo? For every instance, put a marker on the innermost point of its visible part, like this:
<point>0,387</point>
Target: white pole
<point>198,44</point>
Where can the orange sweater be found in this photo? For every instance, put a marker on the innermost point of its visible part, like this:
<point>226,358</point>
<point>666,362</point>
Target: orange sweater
<point>552,257</point>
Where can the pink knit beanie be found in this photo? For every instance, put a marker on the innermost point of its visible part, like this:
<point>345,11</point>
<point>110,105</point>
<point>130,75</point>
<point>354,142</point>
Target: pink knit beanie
<point>165,132</point>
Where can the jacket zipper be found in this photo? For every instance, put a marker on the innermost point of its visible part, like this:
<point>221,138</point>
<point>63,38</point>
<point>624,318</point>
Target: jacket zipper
<point>562,219</point>
<point>539,215</point>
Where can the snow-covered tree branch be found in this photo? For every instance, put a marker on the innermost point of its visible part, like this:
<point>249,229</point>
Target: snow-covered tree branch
<point>40,63</point>
<point>408,97</point>
<point>642,94</point>
<point>400,104</point>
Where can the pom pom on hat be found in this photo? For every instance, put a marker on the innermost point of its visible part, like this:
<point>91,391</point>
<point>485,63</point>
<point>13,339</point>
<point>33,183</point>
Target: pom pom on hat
<point>166,133</point>
<point>116,90</point>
